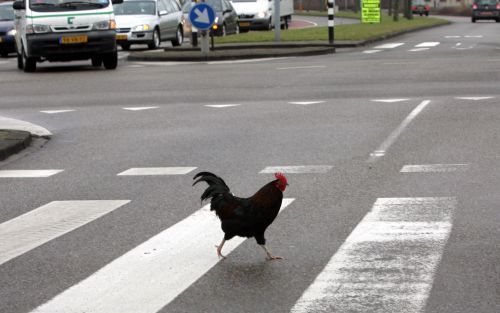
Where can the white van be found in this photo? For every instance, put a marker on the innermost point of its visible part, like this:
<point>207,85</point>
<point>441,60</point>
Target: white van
<point>65,30</point>
<point>258,14</point>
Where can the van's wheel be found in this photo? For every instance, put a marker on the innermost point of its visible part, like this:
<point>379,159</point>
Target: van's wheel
<point>179,37</point>
<point>156,40</point>
<point>20,61</point>
<point>110,60</point>
<point>96,61</point>
<point>125,46</point>
<point>29,63</point>
<point>473,20</point>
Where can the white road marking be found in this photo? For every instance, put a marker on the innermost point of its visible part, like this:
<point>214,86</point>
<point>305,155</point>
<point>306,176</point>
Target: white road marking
<point>134,66</point>
<point>27,173</point>
<point>418,49</point>
<point>390,45</point>
<point>140,108</point>
<point>244,61</point>
<point>30,230</point>
<point>306,102</point>
<point>390,100</point>
<point>218,106</point>
<point>399,63</point>
<point>56,111</point>
<point>474,36</point>
<point>388,262</point>
<point>163,63</point>
<point>148,171</point>
<point>302,169</point>
<point>301,67</point>
<point>452,36</point>
<point>474,98</point>
<point>371,51</point>
<point>150,276</point>
<point>123,55</point>
<point>434,168</point>
<point>427,44</point>
<point>382,149</point>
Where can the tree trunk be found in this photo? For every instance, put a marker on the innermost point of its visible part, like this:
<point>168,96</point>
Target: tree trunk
<point>390,8</point>
<point>395,17</point>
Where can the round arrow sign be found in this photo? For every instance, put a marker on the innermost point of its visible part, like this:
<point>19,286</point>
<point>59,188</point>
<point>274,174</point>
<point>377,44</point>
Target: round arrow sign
<point>202,16</point>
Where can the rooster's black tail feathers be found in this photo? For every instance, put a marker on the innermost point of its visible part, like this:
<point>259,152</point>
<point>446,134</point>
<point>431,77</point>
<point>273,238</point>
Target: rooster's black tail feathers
<point>216,185</point>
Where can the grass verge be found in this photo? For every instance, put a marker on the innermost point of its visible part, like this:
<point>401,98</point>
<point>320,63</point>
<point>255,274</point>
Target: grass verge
<point>351,32</point>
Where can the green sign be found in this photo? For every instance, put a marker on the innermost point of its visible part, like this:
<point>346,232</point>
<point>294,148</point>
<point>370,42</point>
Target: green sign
<point>370,11</point>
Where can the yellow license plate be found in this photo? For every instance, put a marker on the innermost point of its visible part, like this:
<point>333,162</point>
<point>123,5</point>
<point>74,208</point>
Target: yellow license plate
<point>244,24</point>
<point>73,39</point>
<point>121,37</point>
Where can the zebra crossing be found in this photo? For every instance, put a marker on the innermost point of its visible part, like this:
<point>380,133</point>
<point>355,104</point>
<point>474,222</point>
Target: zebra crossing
<point>423,46</point>
<point>386,264</point>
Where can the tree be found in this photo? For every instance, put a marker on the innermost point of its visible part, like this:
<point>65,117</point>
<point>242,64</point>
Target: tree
<point>395,17</point>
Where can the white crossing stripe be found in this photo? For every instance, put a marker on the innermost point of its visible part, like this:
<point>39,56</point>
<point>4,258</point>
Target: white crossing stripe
<point>371,51</point>
<point>390,100</point>
<point>140,108</point>
<point>418,49</point>
<point>32,229</point>
<point>427,44</point>
<point>300,67</point>
<point>56,111</point>
<point>27,173</point>
<point>390,45</point>
<point>140,171</point>
<point>473,98</point>
<point>150,276</point>
<point>218,106</point>
<point>301,169</point>
<point>434,168</point>
<point>388,262</point>
<point>306,102</point>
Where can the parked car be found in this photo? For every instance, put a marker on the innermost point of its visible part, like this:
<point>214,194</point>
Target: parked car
<point>148,22</point>
<point>7,29</point>
<point>420,7</point>
<point>226,19</point>
<point>485,10</point>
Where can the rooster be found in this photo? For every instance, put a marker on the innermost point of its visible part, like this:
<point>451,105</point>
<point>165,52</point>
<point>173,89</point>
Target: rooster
<point>244,217</point>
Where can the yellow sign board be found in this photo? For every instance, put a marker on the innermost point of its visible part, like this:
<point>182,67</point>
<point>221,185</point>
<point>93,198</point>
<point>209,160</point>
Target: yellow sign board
<point>370,11</point>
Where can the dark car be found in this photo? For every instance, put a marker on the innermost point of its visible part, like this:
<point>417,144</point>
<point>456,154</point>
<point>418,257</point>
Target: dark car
<point>485,10</point>
<point>226,19</point>
<point>420,7</point>
<point>7,30</point>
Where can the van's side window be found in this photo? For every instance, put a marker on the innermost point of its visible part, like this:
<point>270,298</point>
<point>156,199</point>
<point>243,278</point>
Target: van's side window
<point>161,6</point>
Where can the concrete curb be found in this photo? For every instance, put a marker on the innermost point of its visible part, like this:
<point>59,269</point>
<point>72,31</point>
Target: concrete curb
<point>13,141</point>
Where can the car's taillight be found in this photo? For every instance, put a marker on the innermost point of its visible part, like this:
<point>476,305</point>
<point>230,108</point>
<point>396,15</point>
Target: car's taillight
<point>498,6</point>
<point>474,6</point>
<point>427,8</point>
<point>413,8</point>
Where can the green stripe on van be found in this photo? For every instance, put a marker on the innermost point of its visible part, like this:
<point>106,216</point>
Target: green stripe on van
<point>66,15</point>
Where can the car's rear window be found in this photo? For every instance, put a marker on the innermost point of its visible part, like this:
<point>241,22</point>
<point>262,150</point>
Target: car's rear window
<point>487,2</point>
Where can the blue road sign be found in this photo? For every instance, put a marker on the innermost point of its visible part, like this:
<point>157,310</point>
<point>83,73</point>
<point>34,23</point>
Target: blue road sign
<point>202,16</point>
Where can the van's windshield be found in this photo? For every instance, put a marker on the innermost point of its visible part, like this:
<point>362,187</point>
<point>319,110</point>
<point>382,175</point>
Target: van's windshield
<point>135,8</point>
<point>66,5</point>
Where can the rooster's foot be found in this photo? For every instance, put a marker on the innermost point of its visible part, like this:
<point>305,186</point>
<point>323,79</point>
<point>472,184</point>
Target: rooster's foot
<point>219,253</point>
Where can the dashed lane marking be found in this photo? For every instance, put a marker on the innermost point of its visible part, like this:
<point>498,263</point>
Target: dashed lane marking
<point>301,67</point>
<point>218,106</point>
<point>390,45</point>
<point>150,276</point>
<point>434,168</point>
<point>427,44</point>
<point>474,98</point>
<point>306,102</point>
<point>149,171</point>
<point>28,173</point>
<point>390,100</point>
<point>371,51</point>
<point>418,49</point>
<point>30,230</point>
<point>388,262</point>
<point>140,108</point>
<point>56,111</point>
<point>301,169</point>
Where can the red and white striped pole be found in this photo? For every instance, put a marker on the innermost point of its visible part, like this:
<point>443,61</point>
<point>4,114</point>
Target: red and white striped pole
<point>331,22</point>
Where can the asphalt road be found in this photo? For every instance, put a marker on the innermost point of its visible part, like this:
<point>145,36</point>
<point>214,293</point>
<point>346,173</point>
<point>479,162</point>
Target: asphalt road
<point>396,208</point>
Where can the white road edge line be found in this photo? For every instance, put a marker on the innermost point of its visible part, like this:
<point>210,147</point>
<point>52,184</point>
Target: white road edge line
<point>382,149</point>
<point>30,230</point>
<point>388,262</point>
<point>151,275</point>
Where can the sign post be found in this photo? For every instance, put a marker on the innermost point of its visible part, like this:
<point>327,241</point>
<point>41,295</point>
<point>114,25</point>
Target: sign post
<point>202,16</point>
<point>370,11</point>
<point>331,21</point>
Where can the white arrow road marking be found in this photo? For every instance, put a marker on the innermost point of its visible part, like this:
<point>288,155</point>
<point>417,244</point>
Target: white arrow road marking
<point>390,100</point>
<point>388,262</point>
<point>218,106</point>
<point>475,98</point>
<point>150,276</point>
<point>56,111</point>
<point>371,51</point>
<point>145,171</point>
<point>140,108</point>
<point>202,16</point>
<point>28,173</point>
<point>306,102</point>
<point>390,45</point>
<point>434,168</point>
<point>30,230</point>
<point>382,149</point>
<point>301,169</point>
<point>427,44</point>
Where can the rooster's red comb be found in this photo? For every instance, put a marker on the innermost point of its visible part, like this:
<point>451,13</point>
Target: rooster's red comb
<point>281,177</point>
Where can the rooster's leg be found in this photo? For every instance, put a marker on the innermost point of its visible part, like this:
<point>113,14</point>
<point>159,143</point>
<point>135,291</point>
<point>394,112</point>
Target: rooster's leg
<point>219,249</point>
<point>270,257</point>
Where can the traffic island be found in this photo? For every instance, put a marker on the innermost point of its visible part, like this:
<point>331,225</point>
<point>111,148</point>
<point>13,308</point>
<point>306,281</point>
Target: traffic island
<point>13,141</point>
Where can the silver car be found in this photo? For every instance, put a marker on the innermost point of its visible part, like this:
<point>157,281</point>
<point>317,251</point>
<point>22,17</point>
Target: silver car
<point>148,22</point>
